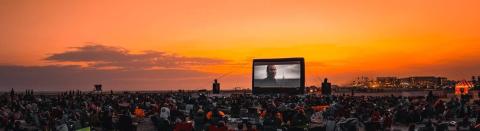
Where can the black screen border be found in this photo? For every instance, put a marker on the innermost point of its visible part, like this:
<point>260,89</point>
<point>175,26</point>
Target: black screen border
<point>300,90</point>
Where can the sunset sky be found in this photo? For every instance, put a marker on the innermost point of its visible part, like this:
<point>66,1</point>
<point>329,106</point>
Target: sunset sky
<point>180,44</point>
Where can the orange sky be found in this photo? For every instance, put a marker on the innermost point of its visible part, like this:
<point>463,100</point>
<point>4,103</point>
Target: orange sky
<point>339,39</point>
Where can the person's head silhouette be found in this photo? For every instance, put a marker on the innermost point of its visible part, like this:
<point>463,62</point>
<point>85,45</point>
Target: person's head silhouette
<point>271,72</point>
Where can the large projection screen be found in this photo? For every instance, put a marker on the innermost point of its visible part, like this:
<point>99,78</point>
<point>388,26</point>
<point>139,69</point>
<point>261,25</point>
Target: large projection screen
<point>282,75</point>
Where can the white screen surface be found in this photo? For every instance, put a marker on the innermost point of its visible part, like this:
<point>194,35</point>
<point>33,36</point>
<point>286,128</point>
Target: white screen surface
<point>287,74</point>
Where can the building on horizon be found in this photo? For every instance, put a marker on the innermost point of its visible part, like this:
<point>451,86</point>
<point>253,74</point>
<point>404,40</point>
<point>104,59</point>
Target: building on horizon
<point>425,82</point>
<point>389,82</point>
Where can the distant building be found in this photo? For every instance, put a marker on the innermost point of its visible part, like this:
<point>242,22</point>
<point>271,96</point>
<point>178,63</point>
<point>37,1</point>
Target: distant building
<point>362,82</point>
<point>426,81</point>
<point>423,82</point>
<point>326,87</point>
<point>216,87</point>
<point>387,81</point>
<point>443,80</point>
<point>407,82</point>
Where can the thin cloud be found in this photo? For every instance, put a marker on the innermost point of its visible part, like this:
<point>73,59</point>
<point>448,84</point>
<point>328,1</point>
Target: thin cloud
<point>101,56</point>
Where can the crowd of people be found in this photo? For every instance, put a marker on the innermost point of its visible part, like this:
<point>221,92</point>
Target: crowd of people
<point>76,110</point>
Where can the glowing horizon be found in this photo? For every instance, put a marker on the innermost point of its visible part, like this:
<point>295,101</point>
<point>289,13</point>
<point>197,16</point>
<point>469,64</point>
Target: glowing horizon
<point>339,40</point>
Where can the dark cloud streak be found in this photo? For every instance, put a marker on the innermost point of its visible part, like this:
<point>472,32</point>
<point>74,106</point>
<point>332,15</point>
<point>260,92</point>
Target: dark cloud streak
<point>98,56</point>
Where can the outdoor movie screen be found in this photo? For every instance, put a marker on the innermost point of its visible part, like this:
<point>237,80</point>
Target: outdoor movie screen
<point>278,74</point>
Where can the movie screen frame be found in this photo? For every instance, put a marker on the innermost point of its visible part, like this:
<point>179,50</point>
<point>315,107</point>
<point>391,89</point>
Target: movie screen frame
<point>283,90</point>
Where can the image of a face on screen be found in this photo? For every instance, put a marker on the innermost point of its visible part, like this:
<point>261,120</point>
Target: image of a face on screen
<point>277,74</point>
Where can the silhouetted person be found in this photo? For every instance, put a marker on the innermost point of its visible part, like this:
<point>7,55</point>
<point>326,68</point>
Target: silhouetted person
<point>107,121</point>
<point>199,120</point>
<point>327,87</point>
<point>12,93</point>
<point>430,97</point>
<point>125,122</point>
<point>411,127</point>
<point>240,127</point>
<point>428,126</point>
